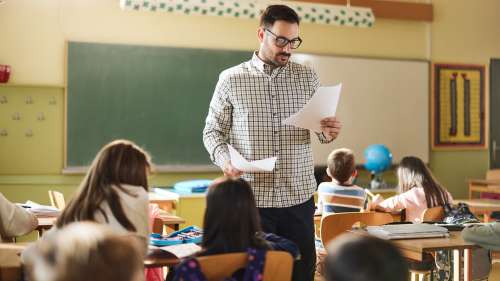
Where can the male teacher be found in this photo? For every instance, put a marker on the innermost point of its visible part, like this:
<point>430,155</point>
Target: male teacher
<point>247,109</point>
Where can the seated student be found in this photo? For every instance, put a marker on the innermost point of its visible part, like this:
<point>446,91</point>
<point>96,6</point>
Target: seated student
<point>14,220</point>
<point>364,258</point>
<point>419,191</point>
<point>114,192</point>
<point>232,224</point>
<point>485,235</point>
<point>341,195</point>
<point>87,251</point>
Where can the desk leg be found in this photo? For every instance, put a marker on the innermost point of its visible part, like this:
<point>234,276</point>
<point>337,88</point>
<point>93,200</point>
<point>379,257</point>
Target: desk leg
<point>467,264</point>
<point>456,265</point>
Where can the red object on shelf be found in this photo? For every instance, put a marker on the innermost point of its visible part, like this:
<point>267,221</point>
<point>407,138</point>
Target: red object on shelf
<point>4,73</point>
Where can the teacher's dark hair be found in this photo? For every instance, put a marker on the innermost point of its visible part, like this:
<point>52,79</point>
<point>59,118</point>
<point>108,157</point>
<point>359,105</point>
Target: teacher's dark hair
<point>278,12</point>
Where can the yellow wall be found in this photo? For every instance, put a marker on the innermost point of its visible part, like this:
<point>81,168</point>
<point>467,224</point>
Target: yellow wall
<point>464,32</point>
<point>34,34</point>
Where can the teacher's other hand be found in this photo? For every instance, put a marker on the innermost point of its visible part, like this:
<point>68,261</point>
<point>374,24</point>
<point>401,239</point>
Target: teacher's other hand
<point>230,171</point>
<point>330,127</point>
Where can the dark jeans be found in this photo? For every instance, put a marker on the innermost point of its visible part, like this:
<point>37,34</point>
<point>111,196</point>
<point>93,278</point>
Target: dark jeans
<point>296,224</point>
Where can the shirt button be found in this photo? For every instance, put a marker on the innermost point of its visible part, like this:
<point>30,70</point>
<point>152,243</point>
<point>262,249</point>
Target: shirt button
<point>275,114</point>
<point>276,151</point>
<point>276,132</point>
<point>273,96</point>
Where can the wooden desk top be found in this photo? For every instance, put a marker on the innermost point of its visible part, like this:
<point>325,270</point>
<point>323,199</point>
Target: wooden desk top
<point>415,248</point>
<point>158,258</point>
<point>45,223</point>
<point>455,241</point>
<point>484,182</point>
<point>482,203</point>
<point>171,219</point>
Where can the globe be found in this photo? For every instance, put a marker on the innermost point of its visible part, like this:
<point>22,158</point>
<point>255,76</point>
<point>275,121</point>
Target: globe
<point>378,158</point>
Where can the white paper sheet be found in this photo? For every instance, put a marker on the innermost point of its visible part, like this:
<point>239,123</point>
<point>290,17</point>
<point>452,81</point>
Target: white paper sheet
<point>240,163</point>
<point>180,250</point>
<point>39,209</point>
<point>322,104</point>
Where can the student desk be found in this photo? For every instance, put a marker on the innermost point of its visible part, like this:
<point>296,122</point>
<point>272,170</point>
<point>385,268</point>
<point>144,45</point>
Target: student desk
<point>164,201</point>
<point>416,248</point>
<point>479,186</point>
<point>482,207</point>
<point>11,267</point>
<point>159,258</point>
<point>45,223</point>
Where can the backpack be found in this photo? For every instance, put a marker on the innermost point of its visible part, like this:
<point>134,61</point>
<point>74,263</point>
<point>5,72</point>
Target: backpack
<point>459,215</point>
<point>480,257</point>
<point>190,270</point>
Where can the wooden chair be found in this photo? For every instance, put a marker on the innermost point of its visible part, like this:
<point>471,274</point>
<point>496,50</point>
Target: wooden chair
<point>278,266</point>
<point>57,199</point>
<point>157,226</point>
<point>433,214</point>
<point>336,224</point>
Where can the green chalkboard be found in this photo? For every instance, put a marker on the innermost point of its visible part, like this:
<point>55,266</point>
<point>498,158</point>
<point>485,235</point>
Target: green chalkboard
<point>157,97</point>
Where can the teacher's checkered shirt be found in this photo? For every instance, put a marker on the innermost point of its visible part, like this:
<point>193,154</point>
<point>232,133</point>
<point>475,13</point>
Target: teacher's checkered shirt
<point>247,108</point>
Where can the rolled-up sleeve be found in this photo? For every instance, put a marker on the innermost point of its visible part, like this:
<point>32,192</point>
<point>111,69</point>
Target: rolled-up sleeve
<point>15,221</point>
<point>218,122</point>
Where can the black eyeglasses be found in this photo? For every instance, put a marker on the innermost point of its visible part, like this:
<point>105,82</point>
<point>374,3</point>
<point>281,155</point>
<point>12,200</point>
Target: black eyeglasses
<point>281,41</point>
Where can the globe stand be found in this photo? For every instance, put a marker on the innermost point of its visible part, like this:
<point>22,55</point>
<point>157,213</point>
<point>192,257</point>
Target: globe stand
<point>377,182</point>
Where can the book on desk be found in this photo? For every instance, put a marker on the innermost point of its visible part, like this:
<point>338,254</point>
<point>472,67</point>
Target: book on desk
<point>408,231</point>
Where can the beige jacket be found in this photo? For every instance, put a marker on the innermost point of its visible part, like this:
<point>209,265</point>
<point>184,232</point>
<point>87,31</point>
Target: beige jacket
<point>14,220</point>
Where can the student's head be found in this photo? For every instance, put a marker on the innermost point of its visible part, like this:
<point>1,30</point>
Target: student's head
<point>278,34</point>
<point>412,172</point>
<point>231,222</point>
<point>84,249</point>
<point>354,257</point>
<point>119,162</point>
<point>341,165</point>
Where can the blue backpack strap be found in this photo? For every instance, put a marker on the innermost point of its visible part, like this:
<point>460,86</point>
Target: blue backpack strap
<point>254,270</point>
<point>189,270</point>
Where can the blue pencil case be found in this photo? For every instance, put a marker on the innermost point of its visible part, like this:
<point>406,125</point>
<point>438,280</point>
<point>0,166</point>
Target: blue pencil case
<point>192,186</point>
<point>190,234</point>
<point>158,240</point>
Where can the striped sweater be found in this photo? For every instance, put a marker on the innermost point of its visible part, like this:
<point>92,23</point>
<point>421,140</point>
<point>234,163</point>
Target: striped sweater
<point>335,198</point>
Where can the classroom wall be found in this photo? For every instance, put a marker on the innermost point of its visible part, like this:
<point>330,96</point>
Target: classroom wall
<point>34,34</point>
<point>464,32</point>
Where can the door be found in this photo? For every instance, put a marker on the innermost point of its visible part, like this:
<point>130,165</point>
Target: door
<point>495,114</point>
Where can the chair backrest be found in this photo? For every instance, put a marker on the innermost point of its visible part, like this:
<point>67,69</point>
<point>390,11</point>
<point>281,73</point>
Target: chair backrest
<point>278,266</point>
<point>493,174</point>
<point>57,199</point>
<point>335,224</point>
<point>433,214</point>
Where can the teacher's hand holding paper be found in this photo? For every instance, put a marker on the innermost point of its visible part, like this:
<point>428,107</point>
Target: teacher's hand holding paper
<point>240,163</point>
<point>330,127</point>
<point>318,115</point>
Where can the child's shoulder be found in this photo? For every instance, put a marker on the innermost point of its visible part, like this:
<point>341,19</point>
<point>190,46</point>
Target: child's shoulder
<point>334,187</point>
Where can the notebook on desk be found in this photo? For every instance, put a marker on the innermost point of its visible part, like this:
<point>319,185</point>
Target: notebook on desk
<point>408,231</point>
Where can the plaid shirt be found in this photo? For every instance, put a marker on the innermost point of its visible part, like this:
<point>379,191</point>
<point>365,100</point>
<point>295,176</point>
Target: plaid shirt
<point>249,103</point>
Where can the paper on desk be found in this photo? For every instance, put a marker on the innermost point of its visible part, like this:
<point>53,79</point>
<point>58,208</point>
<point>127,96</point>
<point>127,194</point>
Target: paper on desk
<point>240,163</point>
<point>39,209</point>
<point>180,250</point>
<point>322,104</point>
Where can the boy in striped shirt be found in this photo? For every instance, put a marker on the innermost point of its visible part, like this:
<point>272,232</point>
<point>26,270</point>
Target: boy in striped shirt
<point>341,195</point>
